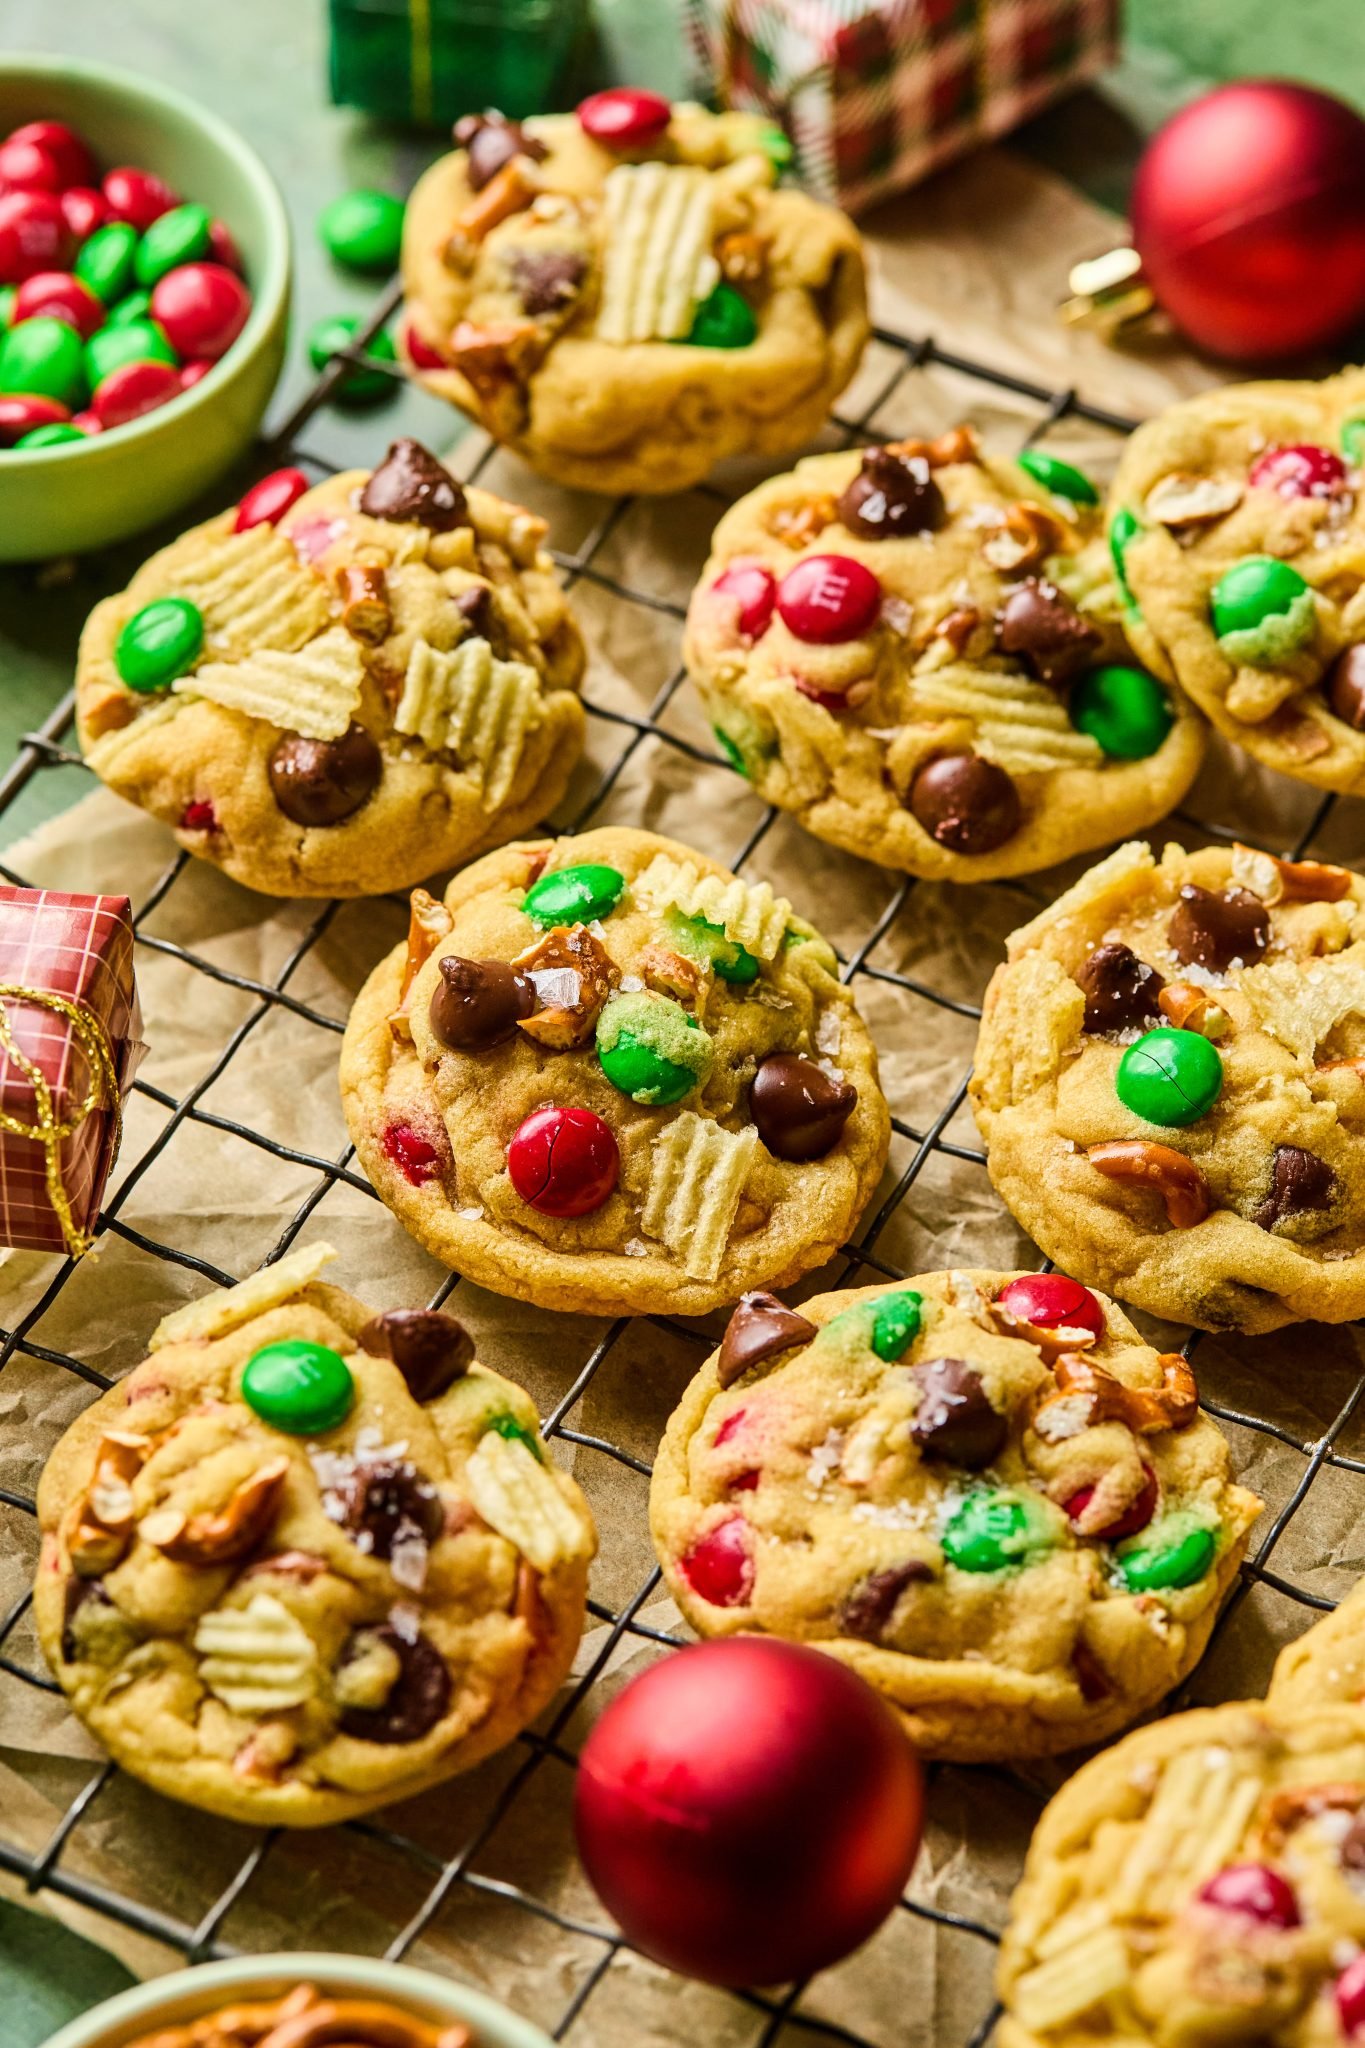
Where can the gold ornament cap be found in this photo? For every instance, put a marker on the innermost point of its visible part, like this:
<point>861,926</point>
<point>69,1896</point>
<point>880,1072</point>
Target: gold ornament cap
<point>1109,294</point>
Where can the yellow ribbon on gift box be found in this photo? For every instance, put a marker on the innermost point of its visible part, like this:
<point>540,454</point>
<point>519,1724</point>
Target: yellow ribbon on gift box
<point>50,1131</point>
<point>420,63</point>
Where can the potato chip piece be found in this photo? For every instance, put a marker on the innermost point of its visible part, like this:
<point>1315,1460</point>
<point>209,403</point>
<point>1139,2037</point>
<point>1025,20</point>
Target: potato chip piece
<point>521,1499</point>
<point>1021,725</point>
<point>1070,1984</point>
<point>748,912</point>
<point>314,690</point>
<point>227,1308</point>
<point>1302,1004</point>
<point>472,705</point>
<point>253,593</point>
<point>658,239</point>
<point>103,753</point>
<point>256,1659</point>
<point>1114,883</point>
<point>697,1176</point>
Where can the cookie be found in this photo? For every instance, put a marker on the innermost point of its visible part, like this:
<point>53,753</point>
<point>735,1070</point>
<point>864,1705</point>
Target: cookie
<point>304,1560</point>
<point>607,1075</point>
<point>1238,531</point>
<point>1327,1662</point>
<point>338,691</point>
<point>915,649</point>
<point>981,1490</point>
<point>1170,1080</point>
<point>1199,1883</point>
<point>626,310</point>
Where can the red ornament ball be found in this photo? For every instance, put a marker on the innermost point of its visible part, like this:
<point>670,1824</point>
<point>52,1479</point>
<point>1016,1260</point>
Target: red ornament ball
<point>1299,470</point>
<point>749,1811</point>
<point>828,597</point>
<point>753,591</point>
<point>625,117</point>
<point>1050,1301</point>
<point>1248,212</point>
<point>202,308</point>
<point>564,1162</point>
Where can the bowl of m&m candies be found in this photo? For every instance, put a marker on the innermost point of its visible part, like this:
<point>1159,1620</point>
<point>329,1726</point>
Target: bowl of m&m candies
<point>144,294</point>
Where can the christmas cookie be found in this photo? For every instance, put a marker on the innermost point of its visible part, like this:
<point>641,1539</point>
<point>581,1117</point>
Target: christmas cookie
<point>981,1490</point>
<point>607,1075</point>
<point>305,1560</point>
<point>915,649</point>
<point>337,691</point>
<point>1199,1884</point>
<point>1238,531</point>
<point>1170,1080</point>
<point>624,296</point>
<point>1327,1662</point>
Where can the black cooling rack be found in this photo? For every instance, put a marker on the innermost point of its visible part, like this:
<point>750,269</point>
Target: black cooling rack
<point>441,1883</point>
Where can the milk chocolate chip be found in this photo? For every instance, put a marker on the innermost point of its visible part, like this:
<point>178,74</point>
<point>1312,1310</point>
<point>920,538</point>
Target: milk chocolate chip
<point>965,802</point>
<point>954,1419</point>
<point>478,1003</point>
<point>490,142</point>
<point>1045,630</point>
<point>420,1694</point>
<point>411,485</point>
<point>760,1327</point>
<point>871,1604</point>
<point>1212,930</point>
<point>547,280</point>
<point>321,782</point>
<point>431,1350</point>
<point>385,1500</point>
<point>800,1112</point>
<point>892,495</point>
<point>1120,990</point>
<point>1299,1180</point>
<point>1344,683</point>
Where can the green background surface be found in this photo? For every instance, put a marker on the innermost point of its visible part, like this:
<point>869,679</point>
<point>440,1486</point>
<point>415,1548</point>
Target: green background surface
<point>262,65</point>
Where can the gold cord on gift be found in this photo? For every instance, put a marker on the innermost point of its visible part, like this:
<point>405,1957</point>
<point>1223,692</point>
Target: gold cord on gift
<point>419,60</point>
<point>48,1131</point>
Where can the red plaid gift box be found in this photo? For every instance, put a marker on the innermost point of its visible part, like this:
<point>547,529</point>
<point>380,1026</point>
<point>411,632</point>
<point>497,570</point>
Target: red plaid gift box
<point>70,1030</point>
<point>875,93</point>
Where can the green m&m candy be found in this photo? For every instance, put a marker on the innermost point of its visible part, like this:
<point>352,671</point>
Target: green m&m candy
<point>724,319</point>
<point>574,895</point>
<point>1352,436</point>
<point>1170,1077</point>
<point>8,294</point>
<point>651,1049</point>
<point>136,306</point>
<point>1059,477</point>
<point>1124,528</point>
<point>159,643</point>
<point>1123,708</point>
<point>988,1532</point>
<point>1262,611</point>
<point>363,231</point>
<point>730,750</point>
<point>515,1432</point>
<point>107,261</point>
<point>358,385</point>
<point>180,236</point>
<point>299,1387</point>
<point>896,1320</point>
<point>701,940</point>
<point>54,436</point>
<point>136,341</point>
<point>1168,1556</point>
<point>43,356</point>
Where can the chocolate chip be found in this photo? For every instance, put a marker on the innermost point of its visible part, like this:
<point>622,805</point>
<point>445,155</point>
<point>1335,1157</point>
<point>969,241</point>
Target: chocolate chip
<point>420,1694</point>
<point>871,1604</point>
<point>322,782</point>
<point>477,604</point>
<point>411,485</point>
<point>431,1350</point>
<point>78,1591</point>
<point>954,1419</point>
<point>1091,1676</point>
<point>1046,631</point>
<point>547,280</point>
<point>965,802</point>
<point>892,495</point>
<point>1299,1181</point>
<point>1120,990</point>
<point>760,1327</point>
<point>1212,930</point>
<point>491,141</point>
<point>478,1003</point>
<point>1344,684</point>
<point>385,1500</point>
<point>800,1112</point>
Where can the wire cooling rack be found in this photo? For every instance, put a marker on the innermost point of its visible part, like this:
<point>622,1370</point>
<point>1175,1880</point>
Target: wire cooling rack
<point>603,1991</point>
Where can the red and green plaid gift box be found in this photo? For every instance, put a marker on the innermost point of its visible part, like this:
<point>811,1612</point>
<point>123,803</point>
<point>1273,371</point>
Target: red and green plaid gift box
<point>70,1043</point>
<point>875,93</point>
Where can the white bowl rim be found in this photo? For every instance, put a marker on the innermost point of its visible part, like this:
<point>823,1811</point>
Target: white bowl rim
<point>270,294</point>
<point>497,2027</point>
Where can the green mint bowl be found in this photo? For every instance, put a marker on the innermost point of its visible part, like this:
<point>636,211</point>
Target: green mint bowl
<point>192,1994</point>
<point>69,499</point>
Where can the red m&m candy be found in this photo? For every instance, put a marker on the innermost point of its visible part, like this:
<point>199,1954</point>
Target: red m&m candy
<point>1254,1891</point>
<point>1050,1301</point>
<point>194,373</point>
<point>266,503</point>
<point>1299,470</point>
<point>28,167</point>
<point>34,235</point>
<point>88,422</point>
<point>563,1162</point>
<point>139,197</point>
<point>751,587</point>
<point>84,209</point>
<point>22,413</point>
<point>201,307</point>
<point>720,1567</point>
<point>62,297</point>
<point>222,248</point>
<point>134,388</point>
<point>1349,1997</point>
<point>75,165</point>
<point>413,1155</point>
<point>420,353</point>
<point>829,597</point>
<point>1134,1517</point>
<point>625,117</point>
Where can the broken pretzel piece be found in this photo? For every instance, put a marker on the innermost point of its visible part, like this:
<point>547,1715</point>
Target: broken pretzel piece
<point>572,974</point>
<point>510,191</point>
<point>797,525</point>
<point>959,444</point>
<point>428,923</point>
<point>104,1521</point>
<point>742,256</point>
<point>1179,500</point>
<point>1288,881</point>
<point>364,593</point>
<point>228,1533</point>
<point>1190,1008</point>
<point>1024,538</point>
<point>1166,1172</point>
<point>1087,1394</point>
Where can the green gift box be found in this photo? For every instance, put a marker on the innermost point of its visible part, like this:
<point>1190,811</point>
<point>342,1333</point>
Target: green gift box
<point>427,62</point>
